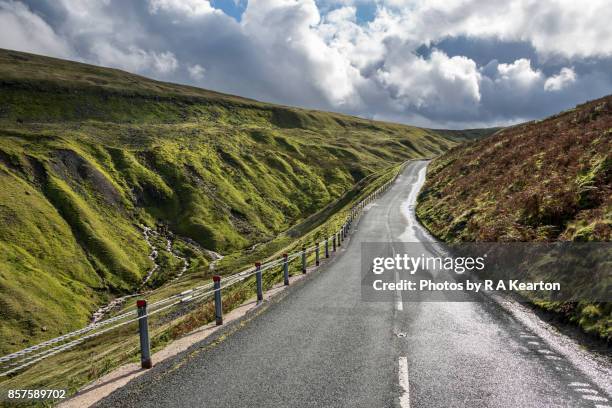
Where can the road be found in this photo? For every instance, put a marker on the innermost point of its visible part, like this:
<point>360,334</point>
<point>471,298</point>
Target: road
<point>323,346</point>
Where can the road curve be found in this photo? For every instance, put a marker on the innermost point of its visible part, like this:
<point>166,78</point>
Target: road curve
<point>322,346</point>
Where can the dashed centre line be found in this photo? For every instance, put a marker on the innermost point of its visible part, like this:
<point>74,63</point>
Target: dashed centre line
<point>404,382</point>
<point>594,398</point>
<point>586,390</point>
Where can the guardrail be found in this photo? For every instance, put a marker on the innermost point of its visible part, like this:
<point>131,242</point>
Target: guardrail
<point>14,362</point>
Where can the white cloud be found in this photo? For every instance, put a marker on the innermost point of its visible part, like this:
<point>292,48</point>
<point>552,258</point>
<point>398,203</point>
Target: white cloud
<point>284,29</point>
<point>362,46</point>
<point>567,27</point>
<point>21,29</point>
<point>196,72</point>
<point>163,62</point>
<point>518,74</point>
<point>554,27</point>
<point>134,59</point>
<point>187,7</point>
<point>437,83</point>
<point>562,80</point>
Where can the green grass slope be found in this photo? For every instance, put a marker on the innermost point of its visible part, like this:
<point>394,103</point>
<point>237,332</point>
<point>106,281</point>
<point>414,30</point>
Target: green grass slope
<point>89,155</point>
<point>546,180</point>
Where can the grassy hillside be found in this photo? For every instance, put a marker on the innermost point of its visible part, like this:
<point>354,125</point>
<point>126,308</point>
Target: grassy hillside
<point>546,180</point>
<point>91,157</point>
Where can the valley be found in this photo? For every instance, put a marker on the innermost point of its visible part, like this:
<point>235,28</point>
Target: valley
<point>91,158</point>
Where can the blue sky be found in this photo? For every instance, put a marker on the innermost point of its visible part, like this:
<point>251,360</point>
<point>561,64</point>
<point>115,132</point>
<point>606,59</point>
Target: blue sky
<point>436,63</point>
<point>233,8</point>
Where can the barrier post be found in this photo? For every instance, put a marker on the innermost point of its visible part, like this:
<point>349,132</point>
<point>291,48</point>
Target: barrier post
<point>218,305</point>
<point>286,268</point>
<point>326,247</point>
<point>259,282</point>
<point>304,259</point>
<point>317,254</point>
<point>143,329</point>
<point>334,242</point>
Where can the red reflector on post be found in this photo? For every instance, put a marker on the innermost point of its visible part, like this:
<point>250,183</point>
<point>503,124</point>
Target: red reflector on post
<point>257,264</point>
<point>141,303</point>
<point>216,278</point>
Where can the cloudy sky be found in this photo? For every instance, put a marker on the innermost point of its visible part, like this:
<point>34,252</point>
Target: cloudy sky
<point>437,63</point>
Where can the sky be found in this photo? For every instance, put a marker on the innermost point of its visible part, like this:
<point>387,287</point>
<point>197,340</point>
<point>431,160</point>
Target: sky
<point>436,63</point>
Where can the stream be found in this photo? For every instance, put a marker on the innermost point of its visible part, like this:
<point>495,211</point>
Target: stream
<point>147,233</point>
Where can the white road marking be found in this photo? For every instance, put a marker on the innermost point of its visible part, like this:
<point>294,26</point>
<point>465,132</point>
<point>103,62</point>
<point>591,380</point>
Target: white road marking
<point>535,343</point>
<point>586,390</point>
<point>399,305</point>
<point>553,358</point>
<point>404,382</point>
<point>579,384</point>
<point>594,398</point>
<point>544,351</point>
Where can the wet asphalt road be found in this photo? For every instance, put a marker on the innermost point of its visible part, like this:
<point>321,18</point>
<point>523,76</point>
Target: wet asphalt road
<point>323,346</point>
